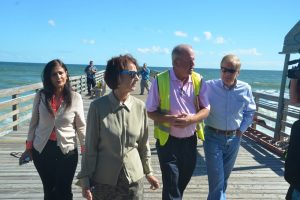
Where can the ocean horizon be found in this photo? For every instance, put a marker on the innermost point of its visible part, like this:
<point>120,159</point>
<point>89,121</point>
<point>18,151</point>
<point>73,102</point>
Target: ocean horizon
<point>16,74</point>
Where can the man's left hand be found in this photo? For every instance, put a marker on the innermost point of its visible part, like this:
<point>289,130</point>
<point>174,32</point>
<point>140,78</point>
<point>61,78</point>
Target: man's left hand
<point>239,133</point>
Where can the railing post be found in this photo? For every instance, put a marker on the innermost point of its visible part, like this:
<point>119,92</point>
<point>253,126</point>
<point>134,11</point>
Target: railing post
<point>16,116</point>
<point>281,100</point>
<point>83,83</point>
<point>256,99</point>
<point>284,118</point>
<point>80,85</point>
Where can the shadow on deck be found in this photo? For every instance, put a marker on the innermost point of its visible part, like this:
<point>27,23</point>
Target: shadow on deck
<point>258,173</point>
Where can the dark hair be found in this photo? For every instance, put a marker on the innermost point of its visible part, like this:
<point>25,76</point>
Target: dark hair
<point>113,68</point>
<point>48,89</point>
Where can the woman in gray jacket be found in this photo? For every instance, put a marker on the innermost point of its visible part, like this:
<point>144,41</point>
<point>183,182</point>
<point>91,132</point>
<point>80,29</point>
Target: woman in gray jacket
<point>57,120</point>
<point>117,153</point>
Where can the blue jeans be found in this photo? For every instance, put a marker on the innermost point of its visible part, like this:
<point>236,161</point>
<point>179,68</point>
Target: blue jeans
<point>220,154</point>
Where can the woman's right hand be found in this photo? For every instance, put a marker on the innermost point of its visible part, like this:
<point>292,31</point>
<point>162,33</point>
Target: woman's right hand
<point>26,153</point>
<point>25,157</point>
<point>86,193</point>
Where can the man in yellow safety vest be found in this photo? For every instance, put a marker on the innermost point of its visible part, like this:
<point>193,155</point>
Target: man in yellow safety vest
<point>177,103</point>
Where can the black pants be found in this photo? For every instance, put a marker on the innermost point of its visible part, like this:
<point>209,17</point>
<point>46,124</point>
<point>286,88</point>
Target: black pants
<point>90,84</point>
<point>292,161</point>
<point>56,171</point>
<point>177,159</point>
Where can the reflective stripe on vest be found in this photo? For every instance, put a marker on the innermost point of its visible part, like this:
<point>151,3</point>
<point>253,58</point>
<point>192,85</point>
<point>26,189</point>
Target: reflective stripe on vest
<point>162,130</point>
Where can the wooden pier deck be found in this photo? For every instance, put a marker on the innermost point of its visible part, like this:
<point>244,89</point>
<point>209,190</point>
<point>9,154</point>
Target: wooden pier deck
<point>258,173</point>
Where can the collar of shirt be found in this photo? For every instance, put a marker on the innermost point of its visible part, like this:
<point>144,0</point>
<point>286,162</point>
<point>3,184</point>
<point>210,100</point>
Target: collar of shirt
<point>174,77</point>
<point>116,104</point>
<point>229,88</point>
<point>56,104</point>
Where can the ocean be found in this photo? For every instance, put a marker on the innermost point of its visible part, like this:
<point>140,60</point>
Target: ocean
<point>19,74</point>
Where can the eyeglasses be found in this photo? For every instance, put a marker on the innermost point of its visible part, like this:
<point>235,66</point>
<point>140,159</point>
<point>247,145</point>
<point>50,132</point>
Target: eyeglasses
<point>132,74</point>
<point>231,71</point>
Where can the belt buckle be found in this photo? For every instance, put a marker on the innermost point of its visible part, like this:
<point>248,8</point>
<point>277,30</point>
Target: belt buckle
<point>230,133</point>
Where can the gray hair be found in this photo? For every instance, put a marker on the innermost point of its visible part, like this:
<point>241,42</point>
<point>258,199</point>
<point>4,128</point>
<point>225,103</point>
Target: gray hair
<point>179,50</point>
<point>232,59</point>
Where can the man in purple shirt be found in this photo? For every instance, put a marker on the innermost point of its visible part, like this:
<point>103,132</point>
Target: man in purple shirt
<point>177,156</point>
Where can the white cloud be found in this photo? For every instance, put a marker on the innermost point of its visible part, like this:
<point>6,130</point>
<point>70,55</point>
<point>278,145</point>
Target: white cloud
<point>248,52</point>
<point>180,34</point>
<point>154,49</point>
<point>51,22</point>
<point>196,39</point>
<point>198,53</point>
<point>211,53</point>
<point>207,35</point>
<point>89,41</point>
<point>220,40</point>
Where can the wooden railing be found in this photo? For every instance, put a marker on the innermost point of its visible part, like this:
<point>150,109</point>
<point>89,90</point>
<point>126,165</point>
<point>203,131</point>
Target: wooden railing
<point>16,107</point>
<point>16,103</point>
<point>266,115</point>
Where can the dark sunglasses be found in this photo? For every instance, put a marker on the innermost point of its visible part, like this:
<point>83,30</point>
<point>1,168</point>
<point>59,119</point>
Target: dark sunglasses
<point>132,74</point>
<point>231,71</point>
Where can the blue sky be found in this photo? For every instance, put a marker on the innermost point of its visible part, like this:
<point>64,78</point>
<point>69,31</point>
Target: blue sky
<point>77,31</point>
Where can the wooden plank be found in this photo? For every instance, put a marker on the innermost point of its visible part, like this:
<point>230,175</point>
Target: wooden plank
<point>17,100</point>
<point>18,111</point>
<point>19,90</point>
<point>258,174</point>
<point>14,123</point>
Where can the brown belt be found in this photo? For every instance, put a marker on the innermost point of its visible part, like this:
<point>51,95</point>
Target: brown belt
<point>227,133</point>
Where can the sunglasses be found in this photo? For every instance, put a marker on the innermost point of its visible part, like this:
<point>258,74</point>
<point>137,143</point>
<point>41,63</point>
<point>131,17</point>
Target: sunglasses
<point>132,74</point>
<point>231,71</point>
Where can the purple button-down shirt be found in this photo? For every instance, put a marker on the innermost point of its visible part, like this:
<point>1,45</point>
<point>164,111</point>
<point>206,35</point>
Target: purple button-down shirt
<point>181,101</point>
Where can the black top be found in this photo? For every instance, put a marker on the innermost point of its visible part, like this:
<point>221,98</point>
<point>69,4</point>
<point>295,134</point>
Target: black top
<point>292,163</point>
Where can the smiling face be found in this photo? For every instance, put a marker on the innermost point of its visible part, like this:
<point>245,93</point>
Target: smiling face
<point>128,78</point>
<point>58,77</point>
<point>184,63</point>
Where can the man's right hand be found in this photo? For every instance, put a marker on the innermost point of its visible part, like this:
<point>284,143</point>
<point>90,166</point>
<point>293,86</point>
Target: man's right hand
<point>181,120</point>
<point>86,193</point>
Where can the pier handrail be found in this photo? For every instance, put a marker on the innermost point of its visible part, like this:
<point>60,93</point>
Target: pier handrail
<point>267,113</point>
<point>16,103</point>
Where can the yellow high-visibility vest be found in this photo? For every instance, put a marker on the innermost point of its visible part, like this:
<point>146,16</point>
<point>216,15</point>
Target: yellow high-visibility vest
<point>162,130</point>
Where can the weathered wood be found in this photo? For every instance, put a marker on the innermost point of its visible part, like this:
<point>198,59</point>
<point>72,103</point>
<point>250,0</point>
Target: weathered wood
<point>268,110</point>
<point>258,174</point>
<point>264,103</point>
<point>16,101</point>
<point>19,90</point>
<point>15,107</point>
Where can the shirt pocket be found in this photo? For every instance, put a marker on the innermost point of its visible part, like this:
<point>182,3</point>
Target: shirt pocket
<point>238,104</point>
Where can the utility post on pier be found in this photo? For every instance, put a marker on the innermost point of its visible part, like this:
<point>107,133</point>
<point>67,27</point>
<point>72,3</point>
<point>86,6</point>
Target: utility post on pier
<point>15,107</point>
<point>291,45</point>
